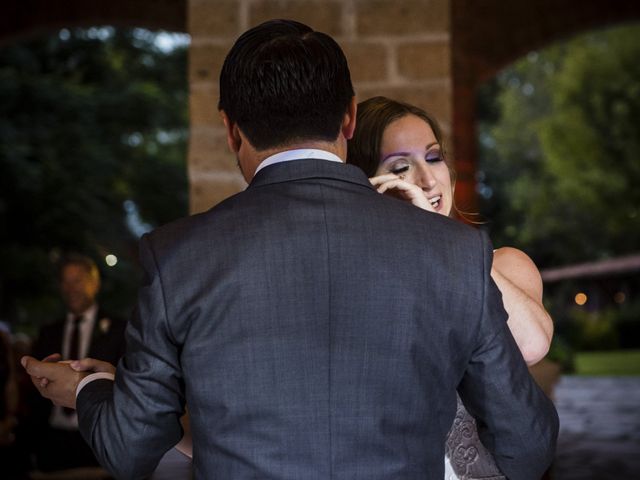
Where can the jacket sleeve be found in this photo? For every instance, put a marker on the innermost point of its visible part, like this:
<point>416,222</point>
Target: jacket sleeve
<point>132,422</point>
<point>516,421</point>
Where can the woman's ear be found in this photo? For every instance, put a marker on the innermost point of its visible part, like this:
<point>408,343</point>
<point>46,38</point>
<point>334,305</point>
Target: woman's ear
<point>234,139</point>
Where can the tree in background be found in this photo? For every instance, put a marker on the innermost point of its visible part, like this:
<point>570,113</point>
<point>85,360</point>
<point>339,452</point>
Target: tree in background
<point>559,174</point>
<point>560,150</point>
<point>93,129</point>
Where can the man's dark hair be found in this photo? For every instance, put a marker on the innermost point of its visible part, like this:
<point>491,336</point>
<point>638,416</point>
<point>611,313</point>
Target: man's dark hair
<point>283,82</point>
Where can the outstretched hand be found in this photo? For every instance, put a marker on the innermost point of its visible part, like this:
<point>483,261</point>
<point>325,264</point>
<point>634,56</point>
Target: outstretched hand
<point>56,381</point>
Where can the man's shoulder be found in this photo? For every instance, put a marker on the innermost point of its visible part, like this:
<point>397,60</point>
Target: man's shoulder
<point>183,226</point>
<point>200,232</point>
<point>455,230</point>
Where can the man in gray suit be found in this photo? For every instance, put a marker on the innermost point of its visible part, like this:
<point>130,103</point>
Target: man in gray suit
<point>315,328</point>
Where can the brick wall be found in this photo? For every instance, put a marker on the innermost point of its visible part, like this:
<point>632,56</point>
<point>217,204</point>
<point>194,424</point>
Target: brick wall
<point>398,48</point>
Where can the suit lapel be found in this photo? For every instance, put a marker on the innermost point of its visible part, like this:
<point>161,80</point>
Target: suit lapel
<point>97,332</point>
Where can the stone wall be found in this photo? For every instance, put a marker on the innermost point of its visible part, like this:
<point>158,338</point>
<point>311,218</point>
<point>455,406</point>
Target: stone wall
<point>398,48</point>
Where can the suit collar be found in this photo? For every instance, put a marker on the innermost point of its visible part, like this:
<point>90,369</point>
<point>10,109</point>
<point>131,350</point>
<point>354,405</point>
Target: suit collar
<point>298,154</point>
<point>309,169</point>
<point>88,315</point>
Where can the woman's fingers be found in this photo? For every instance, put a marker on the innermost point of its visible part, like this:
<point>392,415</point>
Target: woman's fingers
<point>92,365</point>
<point>388,182</point>
<point>375,181</point>
<point>393,185</point>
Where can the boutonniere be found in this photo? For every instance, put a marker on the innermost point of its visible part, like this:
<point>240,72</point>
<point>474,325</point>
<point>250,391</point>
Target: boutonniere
<point>104,324</point>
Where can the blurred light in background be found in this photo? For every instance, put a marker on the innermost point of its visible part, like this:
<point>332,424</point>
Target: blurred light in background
<point>111,260</point>
<point>619,297</point>
<point>580,298</point>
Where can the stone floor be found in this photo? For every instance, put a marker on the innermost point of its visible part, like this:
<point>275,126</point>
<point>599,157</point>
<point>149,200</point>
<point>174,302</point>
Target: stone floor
<point>599,428</point>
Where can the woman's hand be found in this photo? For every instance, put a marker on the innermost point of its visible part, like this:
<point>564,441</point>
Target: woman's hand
<point>92,365</point>
<point>396,186</point>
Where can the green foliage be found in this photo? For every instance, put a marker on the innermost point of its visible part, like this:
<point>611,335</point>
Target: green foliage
<point>89,119</point>
<point>562,353</point>
<point>624,362</point>
<point>593,330</point>
<point>561,158</point>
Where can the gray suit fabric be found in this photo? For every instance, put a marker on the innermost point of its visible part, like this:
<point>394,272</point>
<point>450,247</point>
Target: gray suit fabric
<point>316,330</point>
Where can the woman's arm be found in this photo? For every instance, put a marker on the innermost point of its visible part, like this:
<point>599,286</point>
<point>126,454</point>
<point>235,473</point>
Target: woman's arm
<point>519,281</point>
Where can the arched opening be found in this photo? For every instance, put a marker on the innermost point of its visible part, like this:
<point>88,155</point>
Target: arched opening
<point>558,146</point>
<point>487,36</point>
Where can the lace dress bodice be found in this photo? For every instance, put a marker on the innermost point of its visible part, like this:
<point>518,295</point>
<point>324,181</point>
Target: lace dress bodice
<point>465,456</point>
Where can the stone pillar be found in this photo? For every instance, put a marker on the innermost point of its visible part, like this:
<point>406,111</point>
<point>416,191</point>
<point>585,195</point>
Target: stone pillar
<point>213,26</point>
<point>397,48</point>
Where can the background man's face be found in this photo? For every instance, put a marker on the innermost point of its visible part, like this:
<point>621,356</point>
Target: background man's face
<point>78,288</point>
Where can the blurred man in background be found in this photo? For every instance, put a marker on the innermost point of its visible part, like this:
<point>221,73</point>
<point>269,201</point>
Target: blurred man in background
<point>85,330</point>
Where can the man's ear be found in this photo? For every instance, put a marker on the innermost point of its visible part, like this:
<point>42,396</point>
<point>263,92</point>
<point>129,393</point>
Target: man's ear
<point>349,120</point>
<point>234,140</point>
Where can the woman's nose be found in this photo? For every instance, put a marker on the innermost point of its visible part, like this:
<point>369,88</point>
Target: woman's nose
<point>426,177</point>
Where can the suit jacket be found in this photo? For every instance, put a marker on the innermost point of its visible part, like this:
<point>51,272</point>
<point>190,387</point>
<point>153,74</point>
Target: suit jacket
<point>106,344</point>
<point>317,330</point>
<point>107,340</point>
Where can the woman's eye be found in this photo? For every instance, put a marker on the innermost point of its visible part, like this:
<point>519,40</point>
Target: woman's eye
<point>397,170</point>
<point>434,157</point>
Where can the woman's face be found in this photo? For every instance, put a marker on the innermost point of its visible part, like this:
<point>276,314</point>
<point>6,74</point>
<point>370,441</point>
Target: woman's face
<point>410,150</point>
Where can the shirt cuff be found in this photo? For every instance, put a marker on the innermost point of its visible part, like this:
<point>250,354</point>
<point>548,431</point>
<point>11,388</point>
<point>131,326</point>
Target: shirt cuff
<point>91,377</point>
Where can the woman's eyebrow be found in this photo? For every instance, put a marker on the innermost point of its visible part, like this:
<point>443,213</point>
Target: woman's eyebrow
<point>401,154</point>
<point>395,154</point>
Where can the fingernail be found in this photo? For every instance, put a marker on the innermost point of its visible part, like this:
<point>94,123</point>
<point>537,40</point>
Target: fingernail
<point>23,362</point>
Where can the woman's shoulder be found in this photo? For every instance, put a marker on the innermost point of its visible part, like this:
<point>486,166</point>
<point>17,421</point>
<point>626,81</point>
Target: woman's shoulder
<point>511,255</point>
<point>517,266</point>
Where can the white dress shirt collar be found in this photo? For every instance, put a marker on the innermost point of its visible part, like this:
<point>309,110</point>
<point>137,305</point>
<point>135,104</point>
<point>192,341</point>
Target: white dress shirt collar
<point>298,154</point>
<point>88,313</point>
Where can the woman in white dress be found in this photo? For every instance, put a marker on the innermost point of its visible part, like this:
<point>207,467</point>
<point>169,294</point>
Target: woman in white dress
<point>400,148</point>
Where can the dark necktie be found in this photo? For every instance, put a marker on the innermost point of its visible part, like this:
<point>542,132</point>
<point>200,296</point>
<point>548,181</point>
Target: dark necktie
<point>74,340</point>
<point>74,350</point>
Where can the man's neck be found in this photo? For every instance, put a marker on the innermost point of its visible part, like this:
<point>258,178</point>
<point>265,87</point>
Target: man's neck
<point>332,147</point>
<point>251,159</point>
